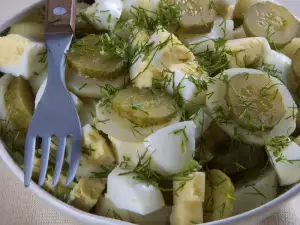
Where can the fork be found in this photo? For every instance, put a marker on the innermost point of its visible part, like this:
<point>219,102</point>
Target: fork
<point>56,114</point>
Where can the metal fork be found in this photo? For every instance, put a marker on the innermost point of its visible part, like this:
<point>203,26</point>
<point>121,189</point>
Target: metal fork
<point>56,114</point>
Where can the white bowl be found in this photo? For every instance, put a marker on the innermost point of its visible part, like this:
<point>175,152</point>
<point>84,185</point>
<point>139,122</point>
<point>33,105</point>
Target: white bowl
<point>81,217</point>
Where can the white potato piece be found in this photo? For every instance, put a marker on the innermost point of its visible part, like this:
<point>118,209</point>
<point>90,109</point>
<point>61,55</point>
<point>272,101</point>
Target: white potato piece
<point>187,213</point>
<point>103,14</point>
<point>29,29</point>
<point>88,87</point>
<point>282,67</point>
<point>127,149</point>
<point>190,80</point>
<point>105,207</point>
<point>247,52</point>
<point>202,122</point>
<point>136,196</point>
<point>291,48</point>
<point>241,7</point>
<point>193,190</point>
<point>96,150</point>
<point>87,113</point>
<point>78,103</point>
<point>86,193</point>
<point>172,148</point>
<point>129,5</point>
<point>285,126</point>
<point>166,51</point>
<point>115,126</point>
<point>4,83</point>
<point>37,80</point>
<point>20,56</point>
<point>256,192</point>
<point>288,163</point>
<point>201,43</point>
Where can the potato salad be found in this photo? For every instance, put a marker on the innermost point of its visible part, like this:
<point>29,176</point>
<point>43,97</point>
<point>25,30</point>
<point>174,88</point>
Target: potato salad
<point>188,107</point>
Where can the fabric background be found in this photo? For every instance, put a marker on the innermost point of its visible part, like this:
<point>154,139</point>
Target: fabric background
<point>19,206</point>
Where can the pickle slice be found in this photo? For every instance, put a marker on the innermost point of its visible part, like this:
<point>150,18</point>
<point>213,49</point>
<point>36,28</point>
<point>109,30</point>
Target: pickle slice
<point>82,26</point>
<point>144,107</point>
<point>95,56</point>
<point>197,16</point>
<point>219,196</point>
<point>255,101</point>
<point>19,103</point>
<point>275,22</point>
<point>296,63</point>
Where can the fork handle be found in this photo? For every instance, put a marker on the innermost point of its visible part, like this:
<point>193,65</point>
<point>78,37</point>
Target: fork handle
<point>60,16</point>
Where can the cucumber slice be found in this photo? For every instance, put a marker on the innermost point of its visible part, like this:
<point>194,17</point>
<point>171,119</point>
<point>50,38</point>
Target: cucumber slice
<point>144,107</point>
<point>19,103</point>
<point>296,63</point>
<point>96,56</point>
<point>32,30</point>
<point>82,26</point>
<point>267,19</point>
<point>219,196</point>
<point>197,16</point>
<point>290,49</point>
<point>255,101</point>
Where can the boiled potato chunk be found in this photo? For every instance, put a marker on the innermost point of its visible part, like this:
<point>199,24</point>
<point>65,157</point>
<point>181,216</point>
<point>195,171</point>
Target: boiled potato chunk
<point>5,80</point>
<point>239,33</point>
<point>187,213</point>
<point>255,101</point>
<point>103,14</point>
<point>96,149</point>
<point>31,30</point>
<point>20,56</point>
<point>197,15</point>
<point>82,26</point>
<point>219,196</point>
<point>225,8</point>
<point>267,19</point>
<point>193,189</point>
<point>291,48</point>
<point>19,103</point>
<point>247,52</point>
<point>144,107</point>
<point>88,56</point>
<point>86,193</point>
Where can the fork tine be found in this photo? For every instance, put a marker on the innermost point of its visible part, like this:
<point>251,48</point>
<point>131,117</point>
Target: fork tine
<point>29,153</point>
<point>59,159</point>
<point>75,158</point>
<point>45,158</point>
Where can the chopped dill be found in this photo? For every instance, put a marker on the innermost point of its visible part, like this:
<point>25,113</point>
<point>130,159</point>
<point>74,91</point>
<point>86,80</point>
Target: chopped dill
<point>109,92</point>
<point>277,145</point>
<point>87,150</point>
<point>139,107</point>
<point>82,86</point>
<point>43,55</point>
<point>256,192</point>
<point>105,171</point>
<point>166,15</point>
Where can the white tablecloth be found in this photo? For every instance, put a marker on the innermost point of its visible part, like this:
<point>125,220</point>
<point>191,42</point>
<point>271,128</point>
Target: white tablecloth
<point>19,206</point>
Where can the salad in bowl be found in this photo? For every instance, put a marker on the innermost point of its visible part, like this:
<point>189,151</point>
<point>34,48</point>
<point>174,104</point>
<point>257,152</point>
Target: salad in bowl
<point>188,108</point>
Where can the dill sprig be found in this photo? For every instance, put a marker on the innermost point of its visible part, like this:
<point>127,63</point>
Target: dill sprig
<point>277,145</point>
<point>214,61</point>
<point>105,171</point>
<point>166,15</point>
<point>109,92</point>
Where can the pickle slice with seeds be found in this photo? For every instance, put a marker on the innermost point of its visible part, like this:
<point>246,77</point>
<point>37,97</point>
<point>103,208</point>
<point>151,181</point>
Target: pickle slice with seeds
<point>95,56</point>
<point>275,22</point>
<point>197,16</point>
<point>255,101</point>
<point>144,107</point>
<point>219,196</point>
<point>296,63</point>
<point>19,103</point>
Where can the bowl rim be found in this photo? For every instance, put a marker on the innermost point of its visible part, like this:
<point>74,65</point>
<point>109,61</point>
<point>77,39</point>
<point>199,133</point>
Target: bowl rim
<point>61,206</point>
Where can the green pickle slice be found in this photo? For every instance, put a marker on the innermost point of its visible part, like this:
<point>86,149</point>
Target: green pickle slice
<point>255,100</point>
<point>219,196</point>
<point>296,63</point>
<point>93,56</point>
<point>144,107</point>
<point>197,16</point>
<point>275,22</point>
<point>19,103</point>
